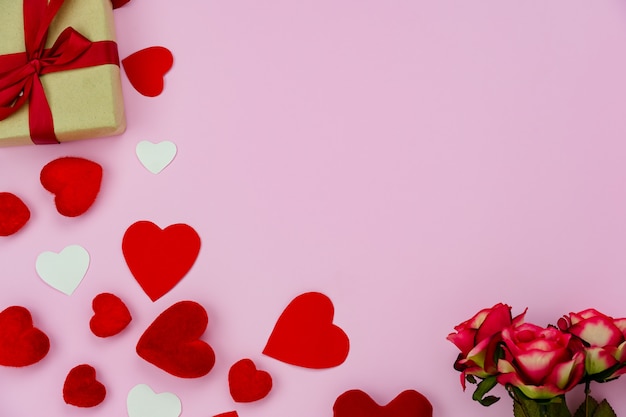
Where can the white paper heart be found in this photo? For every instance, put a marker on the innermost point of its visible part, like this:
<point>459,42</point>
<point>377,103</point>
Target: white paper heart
<point>143,402</point>
<point>155,156</point>
<point>64,270</point>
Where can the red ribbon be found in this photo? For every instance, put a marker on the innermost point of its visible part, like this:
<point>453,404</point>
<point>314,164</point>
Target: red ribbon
<point>20,72</point>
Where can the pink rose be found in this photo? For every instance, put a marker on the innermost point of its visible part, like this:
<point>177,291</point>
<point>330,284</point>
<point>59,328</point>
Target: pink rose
<point>604,340</point>
<point>478,339</point>
<point>542,363</point>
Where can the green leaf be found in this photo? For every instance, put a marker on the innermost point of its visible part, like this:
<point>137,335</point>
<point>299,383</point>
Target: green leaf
<point>604,410</point>
<point>482,389</point>
<point>526,407</point>
<point>588,408</point>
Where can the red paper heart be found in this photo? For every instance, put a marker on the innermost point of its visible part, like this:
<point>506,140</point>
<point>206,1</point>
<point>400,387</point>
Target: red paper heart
<point>21,344</point>
<point>305,335</point>
<point>111,315</point>
<point>119,3</point>
<point>172,342</point>
<point>13,214</point>
<point>408,403</point>
<point>146,68</point>
<point>246,383</point>
<point>81,387</point>
<point>228,414</point>
<point>159,259</point>
<point>75,183</point>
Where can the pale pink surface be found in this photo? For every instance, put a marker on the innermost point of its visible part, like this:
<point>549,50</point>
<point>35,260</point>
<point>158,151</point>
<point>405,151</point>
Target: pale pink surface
<point>414,160</point>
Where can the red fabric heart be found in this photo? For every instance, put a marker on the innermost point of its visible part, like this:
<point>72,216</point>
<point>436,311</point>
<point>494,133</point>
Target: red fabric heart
<point>13,214</point>
<point>409,403</point>
<point>81,387</point>
<point>305,335</point>
<point>172,342</point>
<point>111,315</point>
<point>146,69</point>
<point>246,383</point>
<point>75,183</point>
<point>21,344</point>
<point>159,259</point>
<point>119,3</point>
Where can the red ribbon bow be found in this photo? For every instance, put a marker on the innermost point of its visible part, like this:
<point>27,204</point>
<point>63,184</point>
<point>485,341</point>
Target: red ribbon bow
<point>20,72</point>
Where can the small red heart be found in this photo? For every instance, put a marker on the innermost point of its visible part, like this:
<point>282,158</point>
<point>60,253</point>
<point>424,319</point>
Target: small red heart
<point>119,3</point>
<point>81,387</point>
<point>159,259</point>
<point>75,183</point>
<point>228,414</point>
<point>146,69</point>
<point>13,214</point>
<point>21,344</point>
<point>409,403</point>
<point>246,383</point>
<point>305,335</point>
<point>172,342</point>
<point>111,315</point>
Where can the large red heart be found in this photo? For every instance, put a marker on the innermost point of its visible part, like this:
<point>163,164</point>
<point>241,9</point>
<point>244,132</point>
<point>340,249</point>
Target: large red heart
<point>172,342</point>
<point>305,335</point>
<point>75,183</point>
<point>146,68</point>
<point>111,315</point>
<point>13,214</point>
<point>21,344</point>
<point>247,383</point>
<point>82,389</point>
<point>159,259</point>
<point>356,403</point>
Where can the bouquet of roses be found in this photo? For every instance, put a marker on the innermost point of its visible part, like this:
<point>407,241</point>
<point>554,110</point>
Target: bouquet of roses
<point>539,365</point>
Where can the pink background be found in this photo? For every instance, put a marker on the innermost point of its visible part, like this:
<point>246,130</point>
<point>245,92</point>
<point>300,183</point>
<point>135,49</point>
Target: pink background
<point>414,160</point>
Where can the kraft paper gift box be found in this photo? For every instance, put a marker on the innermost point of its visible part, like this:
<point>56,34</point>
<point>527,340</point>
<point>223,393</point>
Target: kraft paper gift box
<point>76,70</point>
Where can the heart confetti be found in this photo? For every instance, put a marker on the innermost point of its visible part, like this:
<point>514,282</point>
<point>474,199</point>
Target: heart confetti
<point>155,156</point>
<point>75,182</point>
<point>409,403</point>
<point>305,335</point>
<point>81,387</point>
<point>21,344</point>
<point>247,383</point>
<point>159,259</point>
<point>172,342</point>
<point>111,315</point>
<point>13,214</point>
<point>65,270</point>
<point>146,69</point>
<point>142,401</point>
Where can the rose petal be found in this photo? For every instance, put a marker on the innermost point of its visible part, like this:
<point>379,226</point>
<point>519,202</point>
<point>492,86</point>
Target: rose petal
<point>598,331</point>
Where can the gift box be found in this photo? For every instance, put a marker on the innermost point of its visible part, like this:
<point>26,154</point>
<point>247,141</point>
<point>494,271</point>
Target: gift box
<point>59,72</point>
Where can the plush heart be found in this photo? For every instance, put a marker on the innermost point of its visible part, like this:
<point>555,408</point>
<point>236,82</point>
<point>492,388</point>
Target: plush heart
<point>75,182</point>
<point>172,342</point>
<point>155,156</point>
<point>81,387</point>
<point>246,383</point>
<point>13,214</point>
<point>111,315</point>
<point>159,259</point>
<point>305,335</point>
<point>146,68</point>
<point>63,271</point>
<point>409,403</point>
<point>21,344</point>
<point>143,402</point>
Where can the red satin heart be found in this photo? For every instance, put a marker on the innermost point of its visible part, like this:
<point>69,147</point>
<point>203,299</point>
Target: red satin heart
<point>146,69</point>
<point>172,342</point>
<point>21,344</point>
<point>13,214</point>
<point>75,182</point>
<point>82,389</point>
<point>409,403</point>
<point>246,383</point>
<point>305,335</point>
<point>159,259</point>
<point>111,315</point>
